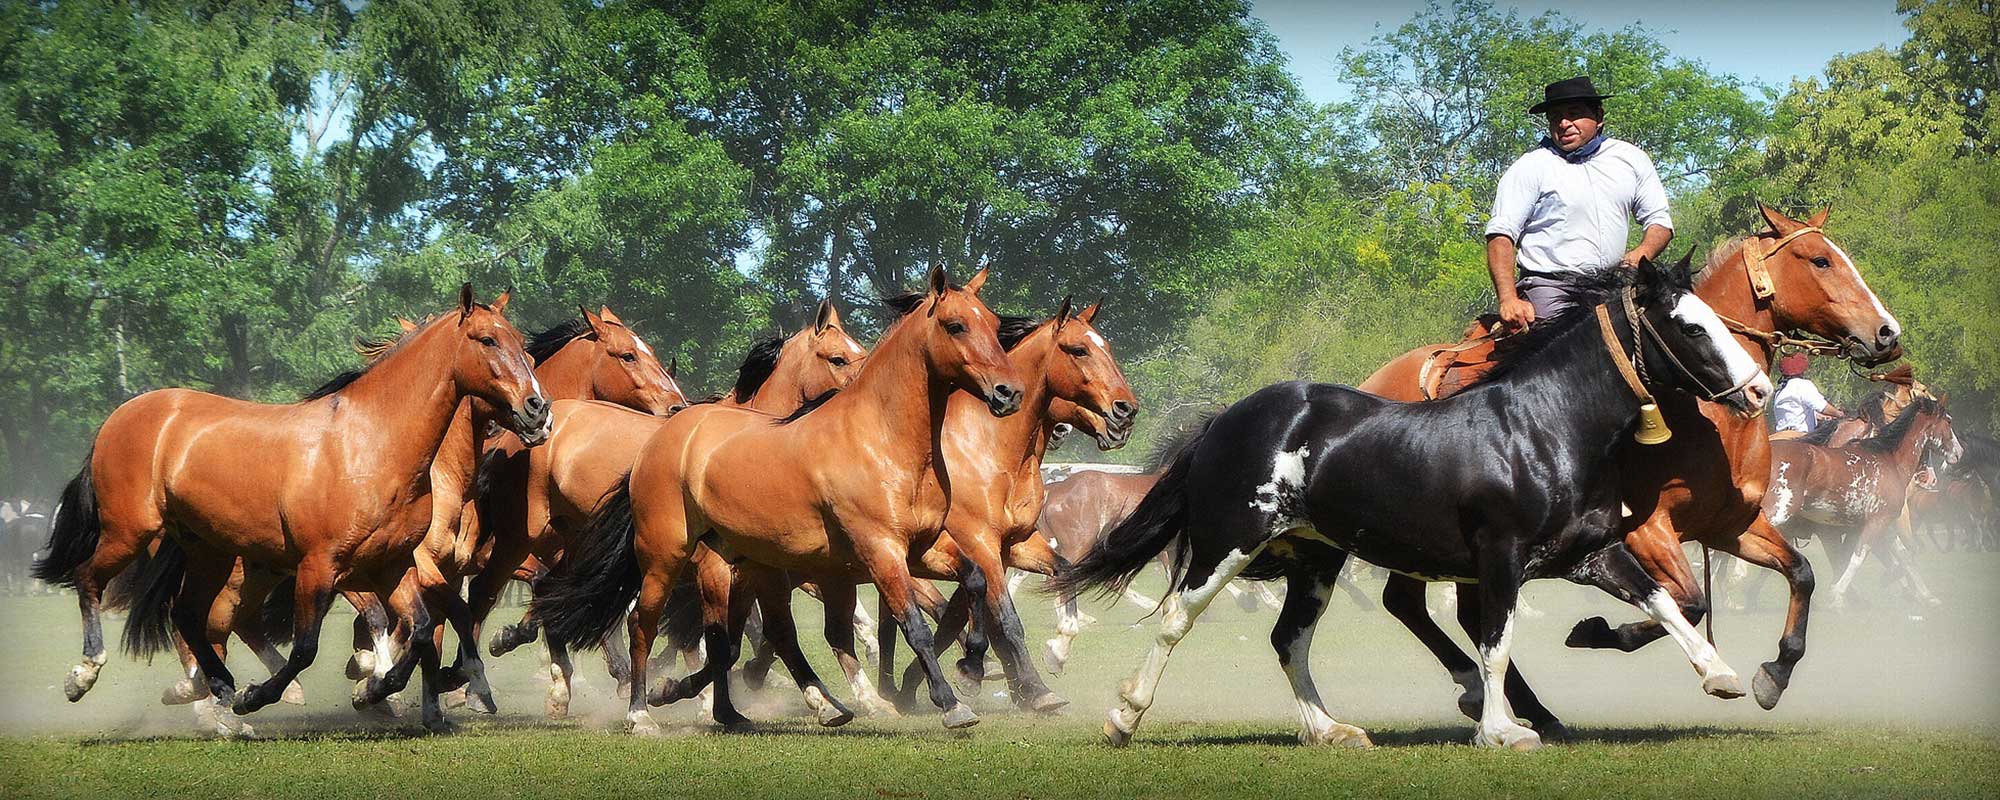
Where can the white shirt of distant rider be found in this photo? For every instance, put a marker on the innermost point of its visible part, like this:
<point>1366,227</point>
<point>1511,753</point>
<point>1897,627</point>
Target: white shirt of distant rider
<point>1798,405</point>
<point>1566,217</point>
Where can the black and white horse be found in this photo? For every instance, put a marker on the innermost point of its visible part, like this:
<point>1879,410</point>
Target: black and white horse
<point>1511,480</point>
<point>23,530</point>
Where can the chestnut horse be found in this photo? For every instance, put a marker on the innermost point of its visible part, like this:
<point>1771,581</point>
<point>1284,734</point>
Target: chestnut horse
<point>331,477</point>
<point>855,486</point>
<point>593,445</point>
<point>1852,496</point>
<point>1705,484</point>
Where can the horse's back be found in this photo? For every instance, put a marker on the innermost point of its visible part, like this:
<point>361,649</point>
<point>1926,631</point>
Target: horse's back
<point>591,446</point>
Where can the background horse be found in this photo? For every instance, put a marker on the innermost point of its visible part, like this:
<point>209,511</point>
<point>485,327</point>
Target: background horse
<point>1853,496</point>
<point>1706,483</point>
<point>332,476</point>
<point>1510,480</point>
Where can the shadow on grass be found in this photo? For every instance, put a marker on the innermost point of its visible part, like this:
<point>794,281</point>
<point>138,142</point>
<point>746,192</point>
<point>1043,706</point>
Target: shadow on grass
<point>1462,735</point>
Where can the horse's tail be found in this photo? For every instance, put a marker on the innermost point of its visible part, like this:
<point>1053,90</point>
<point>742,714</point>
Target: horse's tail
<point>279,611</point>
<point>149,628</point>
<point>1157,523</point>
<point>73,536</point>
<point>682,620</point>
<point>592,587</point>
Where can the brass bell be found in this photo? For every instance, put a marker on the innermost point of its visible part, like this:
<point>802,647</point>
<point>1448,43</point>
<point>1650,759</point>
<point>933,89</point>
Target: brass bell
<point>1652,427</point>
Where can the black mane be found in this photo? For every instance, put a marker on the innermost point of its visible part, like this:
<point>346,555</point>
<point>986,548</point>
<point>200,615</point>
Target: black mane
<point>757,367</point>
<point>809,406</point>
<point>905,303</point>
<point>545,344</point>
<point>335,384</point>
<point>1014,329</point>
<point>1893,435</point>
<point>1824,433</point>
<point>375,348</point>
<point>1592,290</point>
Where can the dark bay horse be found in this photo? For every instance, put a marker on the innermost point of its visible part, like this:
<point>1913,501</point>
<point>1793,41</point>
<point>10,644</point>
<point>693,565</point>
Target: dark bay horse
<point>330,478</point>
<point>1510,480</point>
<point>1705,484</point>
<point>1853,497</point>
<point>854,487</point>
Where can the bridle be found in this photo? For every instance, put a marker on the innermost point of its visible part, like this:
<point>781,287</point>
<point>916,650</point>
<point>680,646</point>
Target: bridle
<point>1764,289</point>
<point>1632,365</point>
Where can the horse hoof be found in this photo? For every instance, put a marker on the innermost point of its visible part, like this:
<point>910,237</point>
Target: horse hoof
<point>1590,633</point>
<point>79,681</point>
<point>1552,730</point>
<point>1769,686</point>
<point>360,665</point>
<point>832,716</point>
<point>1048,703</point>
<point>1115,736</point>
<point>1051,658</point>
<point>440,726</point>
<point>642,724</point>
<point>738,724</point>
<point>452,699</point>
<point>181,693</point>
<point>959,717</point>
<point>1514,737</point>
<point>1724,685</point>
<point>1338,735</point>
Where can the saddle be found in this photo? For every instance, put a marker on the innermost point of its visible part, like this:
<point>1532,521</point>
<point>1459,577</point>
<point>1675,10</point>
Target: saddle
<point>1448,370</point>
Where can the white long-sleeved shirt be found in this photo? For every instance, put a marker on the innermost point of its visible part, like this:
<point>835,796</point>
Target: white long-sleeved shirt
<point>1567,217</point>
<point>1798,405</point>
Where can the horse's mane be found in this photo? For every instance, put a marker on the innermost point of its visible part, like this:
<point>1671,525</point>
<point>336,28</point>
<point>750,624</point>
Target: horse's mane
<point>1014,329</point>
<point>1169,446</point>
<point>809,406</point>
<point>1893,435</point>
<point>545,344</point>
<point>372,348</point>
<point>757,366</point>
<point>1722,252</point>
<point>1591,290</point>
<point>1823,434</point>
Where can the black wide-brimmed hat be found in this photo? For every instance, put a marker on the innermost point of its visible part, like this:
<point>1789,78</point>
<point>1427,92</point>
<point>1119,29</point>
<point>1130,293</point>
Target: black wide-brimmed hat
<point>1578,88</point>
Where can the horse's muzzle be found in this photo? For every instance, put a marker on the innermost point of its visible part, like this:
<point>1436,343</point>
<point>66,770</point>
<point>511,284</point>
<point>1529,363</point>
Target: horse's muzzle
<point>1003,399</point>
<point>532,420</point>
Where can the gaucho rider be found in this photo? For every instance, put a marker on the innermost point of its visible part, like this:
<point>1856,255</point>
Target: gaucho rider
<point>1562,210</point>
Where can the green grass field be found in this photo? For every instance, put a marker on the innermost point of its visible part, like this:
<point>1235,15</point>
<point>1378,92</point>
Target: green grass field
<point>1891,701</point>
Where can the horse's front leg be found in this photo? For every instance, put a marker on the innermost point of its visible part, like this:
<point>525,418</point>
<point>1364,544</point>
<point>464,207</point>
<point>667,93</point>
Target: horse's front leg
<point>1614,570</point>
<point>1657,548</point>
<point>1763,545</point>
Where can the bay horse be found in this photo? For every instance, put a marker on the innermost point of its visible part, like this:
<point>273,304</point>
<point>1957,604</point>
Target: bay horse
<point>1853,496</point>
<point>593,445</point>
<point>1706,483</point>
<point>1512,479</point>
<point>331,475</point>
<point>853,486</point>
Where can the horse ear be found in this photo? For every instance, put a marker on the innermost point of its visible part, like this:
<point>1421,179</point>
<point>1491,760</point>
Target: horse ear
<point>595,322</point>
<point>938,282</point>
<point>1089,312</point>
<point>1063,312</point>
<point>405,324</point>
<point>604,313</point>
<point>1819,220</point>
<point>826,316</point>
<point>674,366</point>
<point>978,282</point>
<point>1777,219</point>
<point>500,304</point>
<point>464,301</point>
<point>1684,271</point>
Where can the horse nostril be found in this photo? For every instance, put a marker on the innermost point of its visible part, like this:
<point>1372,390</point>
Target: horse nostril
<point>1124,409</point>
<point>537,404</point>
<point>1886,336</point>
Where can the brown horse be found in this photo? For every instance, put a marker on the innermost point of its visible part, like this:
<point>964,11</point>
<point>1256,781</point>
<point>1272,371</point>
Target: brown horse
<point>330,478</point>
<point>856,486</point>
<point>1706,483</point>
<point>1853,497</point>
<point>593,445</point>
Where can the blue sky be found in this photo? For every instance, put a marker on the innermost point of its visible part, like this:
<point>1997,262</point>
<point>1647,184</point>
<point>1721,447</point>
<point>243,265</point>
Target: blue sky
<point>1763,41</point>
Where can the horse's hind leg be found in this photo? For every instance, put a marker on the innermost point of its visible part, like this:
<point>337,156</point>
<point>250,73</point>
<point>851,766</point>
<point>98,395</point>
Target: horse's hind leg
<point>1206,575</point>
<point>840,635</point>
<point>773,593</point>
<point>1306,592</point>
<point>1403,596</point>
<point>206,577</point>
<point>312,595</point>
<point>469,669</point>
<point>998,615</point>
<point>1657,547</point>
<point>1615,571</point>
<point>247,620</point>
<point>1764,546</point>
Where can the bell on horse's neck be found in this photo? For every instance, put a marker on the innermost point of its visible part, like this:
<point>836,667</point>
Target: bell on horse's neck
<point>1652,426</point>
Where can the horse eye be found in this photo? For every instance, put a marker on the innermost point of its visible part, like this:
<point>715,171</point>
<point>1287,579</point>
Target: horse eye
<point>489,341</point>
<point>838,361</point>
<point>628,357</point>
<point>954,327</point>
<point>1822,263</point>
<point>1694,331</point>
<point>1075,350</point>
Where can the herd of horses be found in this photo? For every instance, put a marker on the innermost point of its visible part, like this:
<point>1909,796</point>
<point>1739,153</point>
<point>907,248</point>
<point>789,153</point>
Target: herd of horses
<point>465,456</point>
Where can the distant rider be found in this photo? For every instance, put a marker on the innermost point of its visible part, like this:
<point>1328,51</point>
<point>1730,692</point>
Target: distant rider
<point>1799,406</point>
<point>1563,210</point>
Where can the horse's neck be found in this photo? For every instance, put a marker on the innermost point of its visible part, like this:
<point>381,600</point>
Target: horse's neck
<point>782,391</point>
<point>566,375</point>
<point>1022,437</point>
<point>1728,293</point>
<point>1909,451</point>
<point>409,391</point>
<point>897,397</point>
<point>1573,389</point>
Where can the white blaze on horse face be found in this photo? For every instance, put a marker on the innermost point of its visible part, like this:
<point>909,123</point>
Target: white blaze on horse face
<point>385,654</point>
<point>1741,368</point>
<point>1096,339</point>
<point>643,347</point>
<point>1873,301</point>
<point>1288,474</point>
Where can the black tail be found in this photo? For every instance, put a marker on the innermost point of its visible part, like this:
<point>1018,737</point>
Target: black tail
<point>590,590</point>
<point>682,620</point>
<point>279,610</point>
<point>1157,523</point>
<point>73,534</point>
<point>149,628</point>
